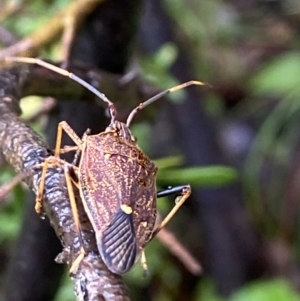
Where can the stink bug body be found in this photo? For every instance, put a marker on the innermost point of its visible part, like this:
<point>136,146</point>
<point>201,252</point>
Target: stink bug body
<point>119,180</point>
<point>117,183</point>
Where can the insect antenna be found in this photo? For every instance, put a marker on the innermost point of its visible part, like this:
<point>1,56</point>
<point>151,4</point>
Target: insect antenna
<point>160,95</point>
<point>29,60</point>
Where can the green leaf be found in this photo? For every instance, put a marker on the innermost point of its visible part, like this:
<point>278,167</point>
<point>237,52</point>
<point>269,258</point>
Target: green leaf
<point>275,290</point>
<point>279,76</point>
<point>155,67</point>
<point>66,290</point>
<point>198,176</point>
<point>206,290</point>
<point>169,162</point>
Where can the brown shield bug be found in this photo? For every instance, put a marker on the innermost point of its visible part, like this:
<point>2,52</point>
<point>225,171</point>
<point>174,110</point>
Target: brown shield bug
<point>116,181</point>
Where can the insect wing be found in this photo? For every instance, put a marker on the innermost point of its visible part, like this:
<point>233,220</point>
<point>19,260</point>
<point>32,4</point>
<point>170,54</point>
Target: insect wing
<point>104,187</point>
<point>135,176</point>
<point>118,246</point>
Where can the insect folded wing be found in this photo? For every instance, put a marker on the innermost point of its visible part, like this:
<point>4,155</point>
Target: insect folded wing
<point>117,186</point>
<point>118,245</point>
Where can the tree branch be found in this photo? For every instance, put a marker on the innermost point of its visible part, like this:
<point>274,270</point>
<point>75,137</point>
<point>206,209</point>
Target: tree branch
<point>23,149</point>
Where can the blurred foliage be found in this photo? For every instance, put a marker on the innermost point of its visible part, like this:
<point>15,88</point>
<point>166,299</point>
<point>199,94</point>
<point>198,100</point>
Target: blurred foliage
<point>28,18</point>
<point>215,176</point>
<point>10,210</point>
<point>280,76</point>
<point>275,289</point>
<point>156,67</point>
<point>251,56</point>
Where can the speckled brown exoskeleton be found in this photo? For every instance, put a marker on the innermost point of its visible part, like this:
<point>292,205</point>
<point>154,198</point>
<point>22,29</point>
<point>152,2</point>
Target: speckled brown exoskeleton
<point>116,181</point>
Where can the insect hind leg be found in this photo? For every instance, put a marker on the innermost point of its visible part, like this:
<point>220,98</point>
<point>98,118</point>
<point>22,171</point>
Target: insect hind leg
<point>52,162</point>
<point>172,190</point>
<point>144,265</point>
<point>185,191</point>
<point>82,253</point>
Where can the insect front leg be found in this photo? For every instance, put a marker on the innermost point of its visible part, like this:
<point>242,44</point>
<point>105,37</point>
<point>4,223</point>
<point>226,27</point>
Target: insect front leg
<point>48,163</point>
<point>63,125</point>
<point>39,198</point>
<point>76,159</point>
<point>185,191</point>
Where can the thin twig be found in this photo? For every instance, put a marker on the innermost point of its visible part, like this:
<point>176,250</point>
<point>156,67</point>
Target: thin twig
<point>77,10</point>
<point>178,250</point>
<point>9,10</point>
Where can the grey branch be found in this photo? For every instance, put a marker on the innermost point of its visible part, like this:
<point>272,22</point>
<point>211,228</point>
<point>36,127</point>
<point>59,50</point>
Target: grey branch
<point>23,148</point>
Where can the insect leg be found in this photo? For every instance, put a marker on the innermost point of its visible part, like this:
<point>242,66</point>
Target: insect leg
<point>74,209</point>
<point>169,191</point>
<point>68,148</point>
<point>172,190</point>
<point>49,162</point>
<point>39,198</point>
<point>144,263</point>
<point>76,159</point>
<point>53,161</point>
<point>185,193</point>
<point>63,125</point>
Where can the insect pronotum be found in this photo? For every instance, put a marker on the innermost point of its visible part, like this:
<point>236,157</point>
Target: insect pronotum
<point>116,181</point>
